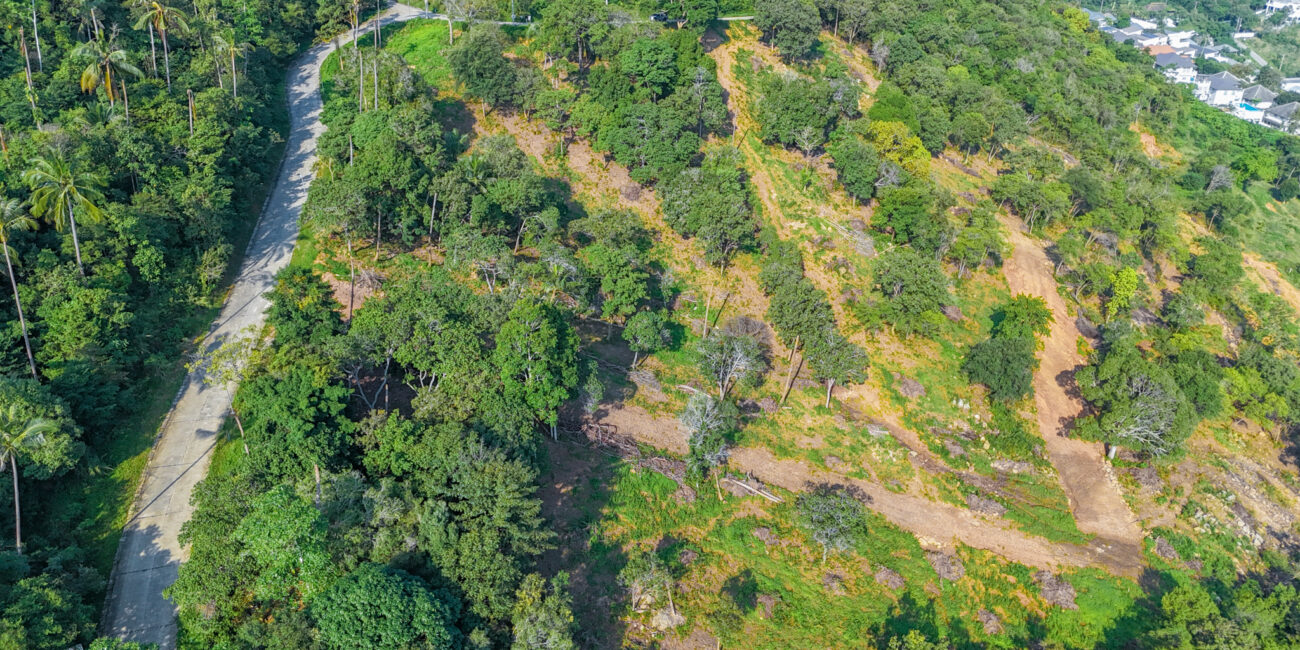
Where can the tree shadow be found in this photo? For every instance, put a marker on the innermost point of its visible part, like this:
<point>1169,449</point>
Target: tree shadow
<point>742,588</point>
<point>575,487</point>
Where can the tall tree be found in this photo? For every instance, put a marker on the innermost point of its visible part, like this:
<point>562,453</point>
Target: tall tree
<point>17,436</point>
<point>163,18</point>
<point>60,190</point>
<point>12,218</point>
<point>107,60</point>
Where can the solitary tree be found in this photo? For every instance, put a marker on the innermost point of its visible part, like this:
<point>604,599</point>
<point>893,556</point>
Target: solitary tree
<point>12,217</point>
<point>227,365</point>
<point>59,191</point>
<point>162,18</point>
<point>833,516</point>
<point>18,435</point>
<point>646,332</point>
<point>107,61</point>
<point>708,422</point>
<point>730,359</point>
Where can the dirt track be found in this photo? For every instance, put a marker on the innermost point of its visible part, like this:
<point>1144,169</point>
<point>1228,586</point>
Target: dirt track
<point>1088,480</point>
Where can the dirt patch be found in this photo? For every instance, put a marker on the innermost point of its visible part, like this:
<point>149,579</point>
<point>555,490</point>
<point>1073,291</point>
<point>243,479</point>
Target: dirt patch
<point>1096,499</point>
<point>1271,280</point>
<point>1152,147</point>
<point>351,297</point>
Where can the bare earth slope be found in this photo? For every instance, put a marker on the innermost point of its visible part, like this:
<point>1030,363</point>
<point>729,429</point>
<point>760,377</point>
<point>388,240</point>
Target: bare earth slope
<point>149,554</point>
<point>1095,497</point>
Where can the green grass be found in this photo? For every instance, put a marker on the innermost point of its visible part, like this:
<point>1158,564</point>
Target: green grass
<point>1272,229</point>
<point>422,43</point>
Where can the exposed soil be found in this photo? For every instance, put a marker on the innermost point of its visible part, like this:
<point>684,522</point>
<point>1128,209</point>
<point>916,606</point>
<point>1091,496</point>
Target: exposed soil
<point>1087,479</point>
<point>1271,280</point>
<point>936,525</point>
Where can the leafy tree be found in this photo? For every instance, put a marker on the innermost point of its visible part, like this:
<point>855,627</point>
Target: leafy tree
<point>651,63</point>
<point>1123,286</point>
<point>1024,316</point>
<point>46,612</point>
<point>60,190</point>
<point>1288,189</point>
<point>791,26</point>
<point>652,140</point>
<point>284,538</point>
<point>648,574</point>
<point>1003,364</point>
<point>646,332</point>
<point>790,106</point>
<point>1200,377</point>
<point>623,282</point>
<point>910,215</point>
<point>710,202</point>
<point>709,422</point>
<point>836,360</point>
<point>1139,404</point>
<point>857,165</point>
<point>833,517</point>
<point>303,311</point>
<point>570,28</point>
<point>378,607</point>
<point>295,421</point>
<point>480,64</point>
<point>543,614</point>
<point>911,288</point>
<point>537,356</point>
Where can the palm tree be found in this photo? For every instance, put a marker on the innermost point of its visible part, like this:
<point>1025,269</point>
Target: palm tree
<point>12,217</point>
<point>107,60</point>
<point>161,17</point>
<point>225,44</point>
<point>17,435</point>
<point>59,191</point>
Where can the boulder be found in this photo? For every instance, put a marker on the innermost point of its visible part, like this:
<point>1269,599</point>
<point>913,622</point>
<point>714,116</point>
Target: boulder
<point>910,388</point>
<point>992,624</point>
<point>952,313</point>
<point>1165,550</point>
<point>985,505</point>
<point>890,578</point>
<point>1012,466</point>
<point>833,583</point>
<point>1055,590</point>
<point>948,566</point>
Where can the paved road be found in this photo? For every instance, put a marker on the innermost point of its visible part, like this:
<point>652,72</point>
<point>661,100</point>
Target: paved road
<point>149,554</point>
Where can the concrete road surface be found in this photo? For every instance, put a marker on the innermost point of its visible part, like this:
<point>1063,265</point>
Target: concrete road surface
<point>149,554</point>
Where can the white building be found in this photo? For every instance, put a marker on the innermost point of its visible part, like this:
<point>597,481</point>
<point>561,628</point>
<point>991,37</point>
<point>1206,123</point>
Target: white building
<point>1283,117</point>
<point>1292,84</point>
<point>1220,89</point>
<point>1258,96</point>
<point>1178,69</point>
<point>1144,24</point>
<point>1180,39</point>
<point>1289,7</point>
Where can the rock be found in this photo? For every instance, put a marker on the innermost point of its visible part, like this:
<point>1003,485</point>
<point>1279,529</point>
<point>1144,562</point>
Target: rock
<point>985,505</point>
<point>631,192</point>
<point>834,463</point>
<point>877,430</point>
<point>834,583</point>
<point>890,578</point>
<point>665,619</point>
<point>764,533</point>
<point>1012,466</point>
<point>1165,550</point>
<point>1086,327</point>
<point>955,450</point>
<point>911,388</point>
<point>952,313</point>
<point>947,566</point>
<point>767,405</point>
<point>1143,317</point>
<point>768,603</point>
<point>1148,478</point>
<point>684,494</point>
<point>737,491</point>
<point>1055,590</point>
<point>687,557</point>
<point>1195,565</point>
<point>858,225</point>
<point>992,624</point>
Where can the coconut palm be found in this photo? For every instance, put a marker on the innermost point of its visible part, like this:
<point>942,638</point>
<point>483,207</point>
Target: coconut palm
<point>228,44</point>
<point>107,60</point>
<point>13,218</point>
<point>60,191</point>
<point>162,18</point>
<point>18,435</point>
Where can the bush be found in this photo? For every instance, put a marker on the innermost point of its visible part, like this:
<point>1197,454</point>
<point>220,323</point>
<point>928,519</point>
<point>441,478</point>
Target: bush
<point>1005,365</point>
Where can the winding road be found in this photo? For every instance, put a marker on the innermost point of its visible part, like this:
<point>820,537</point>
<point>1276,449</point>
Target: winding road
<point>149,554</point>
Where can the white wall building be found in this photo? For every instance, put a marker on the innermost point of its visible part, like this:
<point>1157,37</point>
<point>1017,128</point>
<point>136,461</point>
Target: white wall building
<point>1220,89</point>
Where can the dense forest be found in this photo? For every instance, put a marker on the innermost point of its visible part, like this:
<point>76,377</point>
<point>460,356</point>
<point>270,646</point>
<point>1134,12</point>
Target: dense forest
<point>461,310</point>
<point>134,138</point>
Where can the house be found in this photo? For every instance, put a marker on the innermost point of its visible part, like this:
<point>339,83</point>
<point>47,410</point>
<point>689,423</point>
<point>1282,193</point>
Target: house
<point>1099,18</point>
<point>1219,89</point>
<point>1291,8</point>
<point>1178,69</point>
<point>1147,39</point>
<point>1291,84</point>
<point>1157,50</point>
<point>1144,24</point>
<point>1283,117</point>
<point>1252,114</point>
<point>1180,39</point>
<point>1258,96</point>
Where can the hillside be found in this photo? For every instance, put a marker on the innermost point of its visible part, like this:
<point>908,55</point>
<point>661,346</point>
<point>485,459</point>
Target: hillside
<point>847,326</point>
